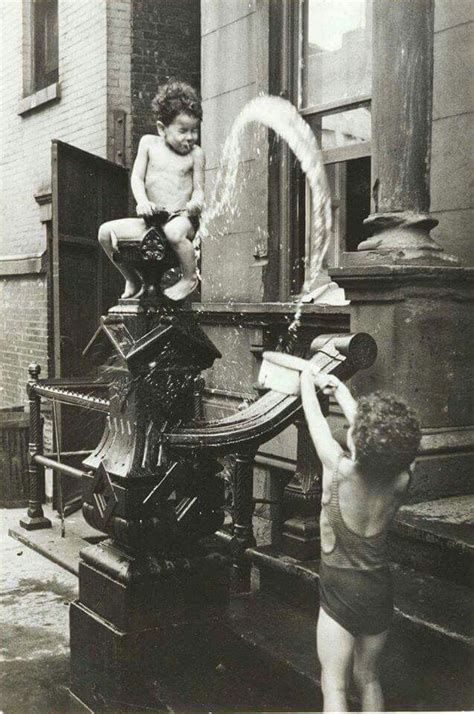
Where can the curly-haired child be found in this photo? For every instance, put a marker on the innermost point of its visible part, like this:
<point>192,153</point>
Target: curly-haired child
<point>168,185</point>
<point>362,492</point>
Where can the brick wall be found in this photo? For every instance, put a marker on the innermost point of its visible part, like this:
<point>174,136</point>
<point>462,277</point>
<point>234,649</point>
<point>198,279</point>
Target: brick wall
<point>23,334</point>
<point>94,73</point>
<point>78,118</point>
<point>453,125</point>
<point>165,43</point>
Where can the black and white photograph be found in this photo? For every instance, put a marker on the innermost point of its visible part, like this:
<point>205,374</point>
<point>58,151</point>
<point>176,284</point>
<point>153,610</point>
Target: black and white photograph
<point>236,356</point>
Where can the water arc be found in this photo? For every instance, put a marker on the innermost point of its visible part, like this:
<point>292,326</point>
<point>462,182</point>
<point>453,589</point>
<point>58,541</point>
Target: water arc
<point>283,118</point>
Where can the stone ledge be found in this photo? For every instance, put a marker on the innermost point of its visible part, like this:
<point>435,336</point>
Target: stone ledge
<point>39,99</point>
<point>32,264</point>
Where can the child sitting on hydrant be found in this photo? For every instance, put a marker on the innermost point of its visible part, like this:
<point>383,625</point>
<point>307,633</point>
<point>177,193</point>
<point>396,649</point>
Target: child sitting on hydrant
<point>362,491</point>
<point>168,185</point>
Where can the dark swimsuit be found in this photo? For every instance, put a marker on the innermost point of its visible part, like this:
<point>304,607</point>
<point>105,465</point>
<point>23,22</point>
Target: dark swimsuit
<point>355,583</point>
<point>154,241</point>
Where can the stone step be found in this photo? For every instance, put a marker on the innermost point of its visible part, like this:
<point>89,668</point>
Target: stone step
<point>432,627</point>
<point>423,668</point>
<point>422,599</point>
<point>436,537</point>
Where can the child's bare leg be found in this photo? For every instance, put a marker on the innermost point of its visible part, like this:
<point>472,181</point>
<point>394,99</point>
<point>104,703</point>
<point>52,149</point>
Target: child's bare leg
<point>368,650</point>
<point>335,649</point>
<point>179,233</point>
<point>110,234</point>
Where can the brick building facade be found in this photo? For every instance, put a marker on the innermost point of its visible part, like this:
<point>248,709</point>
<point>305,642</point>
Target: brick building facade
<point>111,56</point>
<point>400,179</point>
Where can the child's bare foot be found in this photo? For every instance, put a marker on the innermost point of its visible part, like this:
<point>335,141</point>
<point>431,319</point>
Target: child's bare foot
<point>181,289</point>
<point>132,289</point>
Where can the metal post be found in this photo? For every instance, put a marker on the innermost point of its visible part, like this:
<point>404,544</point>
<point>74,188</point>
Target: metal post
<point>35,518</point>
<point>198,390</point>
<point>243,537</point>
<point>302,499</point>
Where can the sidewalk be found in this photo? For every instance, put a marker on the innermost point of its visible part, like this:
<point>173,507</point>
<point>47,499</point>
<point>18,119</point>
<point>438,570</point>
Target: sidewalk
<point>34,622</point>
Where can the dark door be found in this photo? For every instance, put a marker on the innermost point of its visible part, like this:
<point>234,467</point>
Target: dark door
<point>87,190</point>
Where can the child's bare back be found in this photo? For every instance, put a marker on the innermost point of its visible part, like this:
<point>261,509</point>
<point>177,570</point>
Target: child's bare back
<point>362,491</point>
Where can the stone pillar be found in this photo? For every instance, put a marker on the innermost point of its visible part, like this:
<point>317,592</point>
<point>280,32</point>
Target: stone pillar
<point>405,291</point>
<point>35,518</point>
<point>401,131</point>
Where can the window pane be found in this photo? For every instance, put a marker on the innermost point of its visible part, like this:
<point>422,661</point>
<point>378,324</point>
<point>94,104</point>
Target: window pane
<point>45,38</point>
<point>349,182</point>
<point>342,128</point>
<point>357,201</point>
<point>336,51</point>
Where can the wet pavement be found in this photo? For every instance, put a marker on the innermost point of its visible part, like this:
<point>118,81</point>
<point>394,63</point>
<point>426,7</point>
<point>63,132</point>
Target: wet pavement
<point>34,622</point>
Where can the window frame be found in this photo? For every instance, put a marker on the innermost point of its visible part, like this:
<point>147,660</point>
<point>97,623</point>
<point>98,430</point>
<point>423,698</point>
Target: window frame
<point>32,96</point>
<point>291,227</point>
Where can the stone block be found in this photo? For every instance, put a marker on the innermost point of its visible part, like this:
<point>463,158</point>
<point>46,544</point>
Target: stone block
<point>421,319</point>
<point>250,202</point>
<point>219,115</point>
<point>221,49</point>
<point>231,373</point>
<point>452,70</point>
<point>216,14</point>
<point>449,13</point>
<point>451,164</point>
<point>239,278</point>
<point>454,233</point>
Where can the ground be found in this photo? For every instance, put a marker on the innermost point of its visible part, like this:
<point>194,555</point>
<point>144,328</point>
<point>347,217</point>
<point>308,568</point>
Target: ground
<point>34,621</point>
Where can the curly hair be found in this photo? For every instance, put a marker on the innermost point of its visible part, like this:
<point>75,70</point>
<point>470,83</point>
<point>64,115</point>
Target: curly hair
<point>175,98</point>
<point>386,434</point>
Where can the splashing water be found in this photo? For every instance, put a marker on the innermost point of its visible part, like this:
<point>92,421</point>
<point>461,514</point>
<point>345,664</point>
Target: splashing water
<point>282,117</point>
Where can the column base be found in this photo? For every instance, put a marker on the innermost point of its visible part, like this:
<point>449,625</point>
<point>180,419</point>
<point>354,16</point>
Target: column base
<point>400,238</point>
<point>421,319</point>
<point>35,523</point>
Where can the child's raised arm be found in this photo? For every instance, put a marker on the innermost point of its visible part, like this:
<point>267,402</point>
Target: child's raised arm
<point>331,385</point>
<point>326,446</point>
<point>196,202</point>
<point>137,181</point>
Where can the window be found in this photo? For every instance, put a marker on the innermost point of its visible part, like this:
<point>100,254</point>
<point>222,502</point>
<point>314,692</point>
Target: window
<point>333,89</point>
<point>44,43</point>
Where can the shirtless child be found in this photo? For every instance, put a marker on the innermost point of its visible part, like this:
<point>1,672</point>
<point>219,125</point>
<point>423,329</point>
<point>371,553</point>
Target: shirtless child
<point>168,184</point>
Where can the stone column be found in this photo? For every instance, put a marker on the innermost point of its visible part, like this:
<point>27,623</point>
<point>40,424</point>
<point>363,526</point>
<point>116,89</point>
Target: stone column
<point>405,291</point>
<point>402,92</point>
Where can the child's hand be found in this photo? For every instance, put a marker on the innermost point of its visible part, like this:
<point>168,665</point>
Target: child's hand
<point>327,383</point>
<point>146,208</point>
<point>193,208</point>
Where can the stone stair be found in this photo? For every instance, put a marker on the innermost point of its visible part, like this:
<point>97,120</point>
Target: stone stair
<point>263,657</point>
<point>437,537</point>
<point>429,655</point>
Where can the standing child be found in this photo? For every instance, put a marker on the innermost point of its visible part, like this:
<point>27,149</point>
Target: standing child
<point>362,492</point>
<point>168,185</point>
